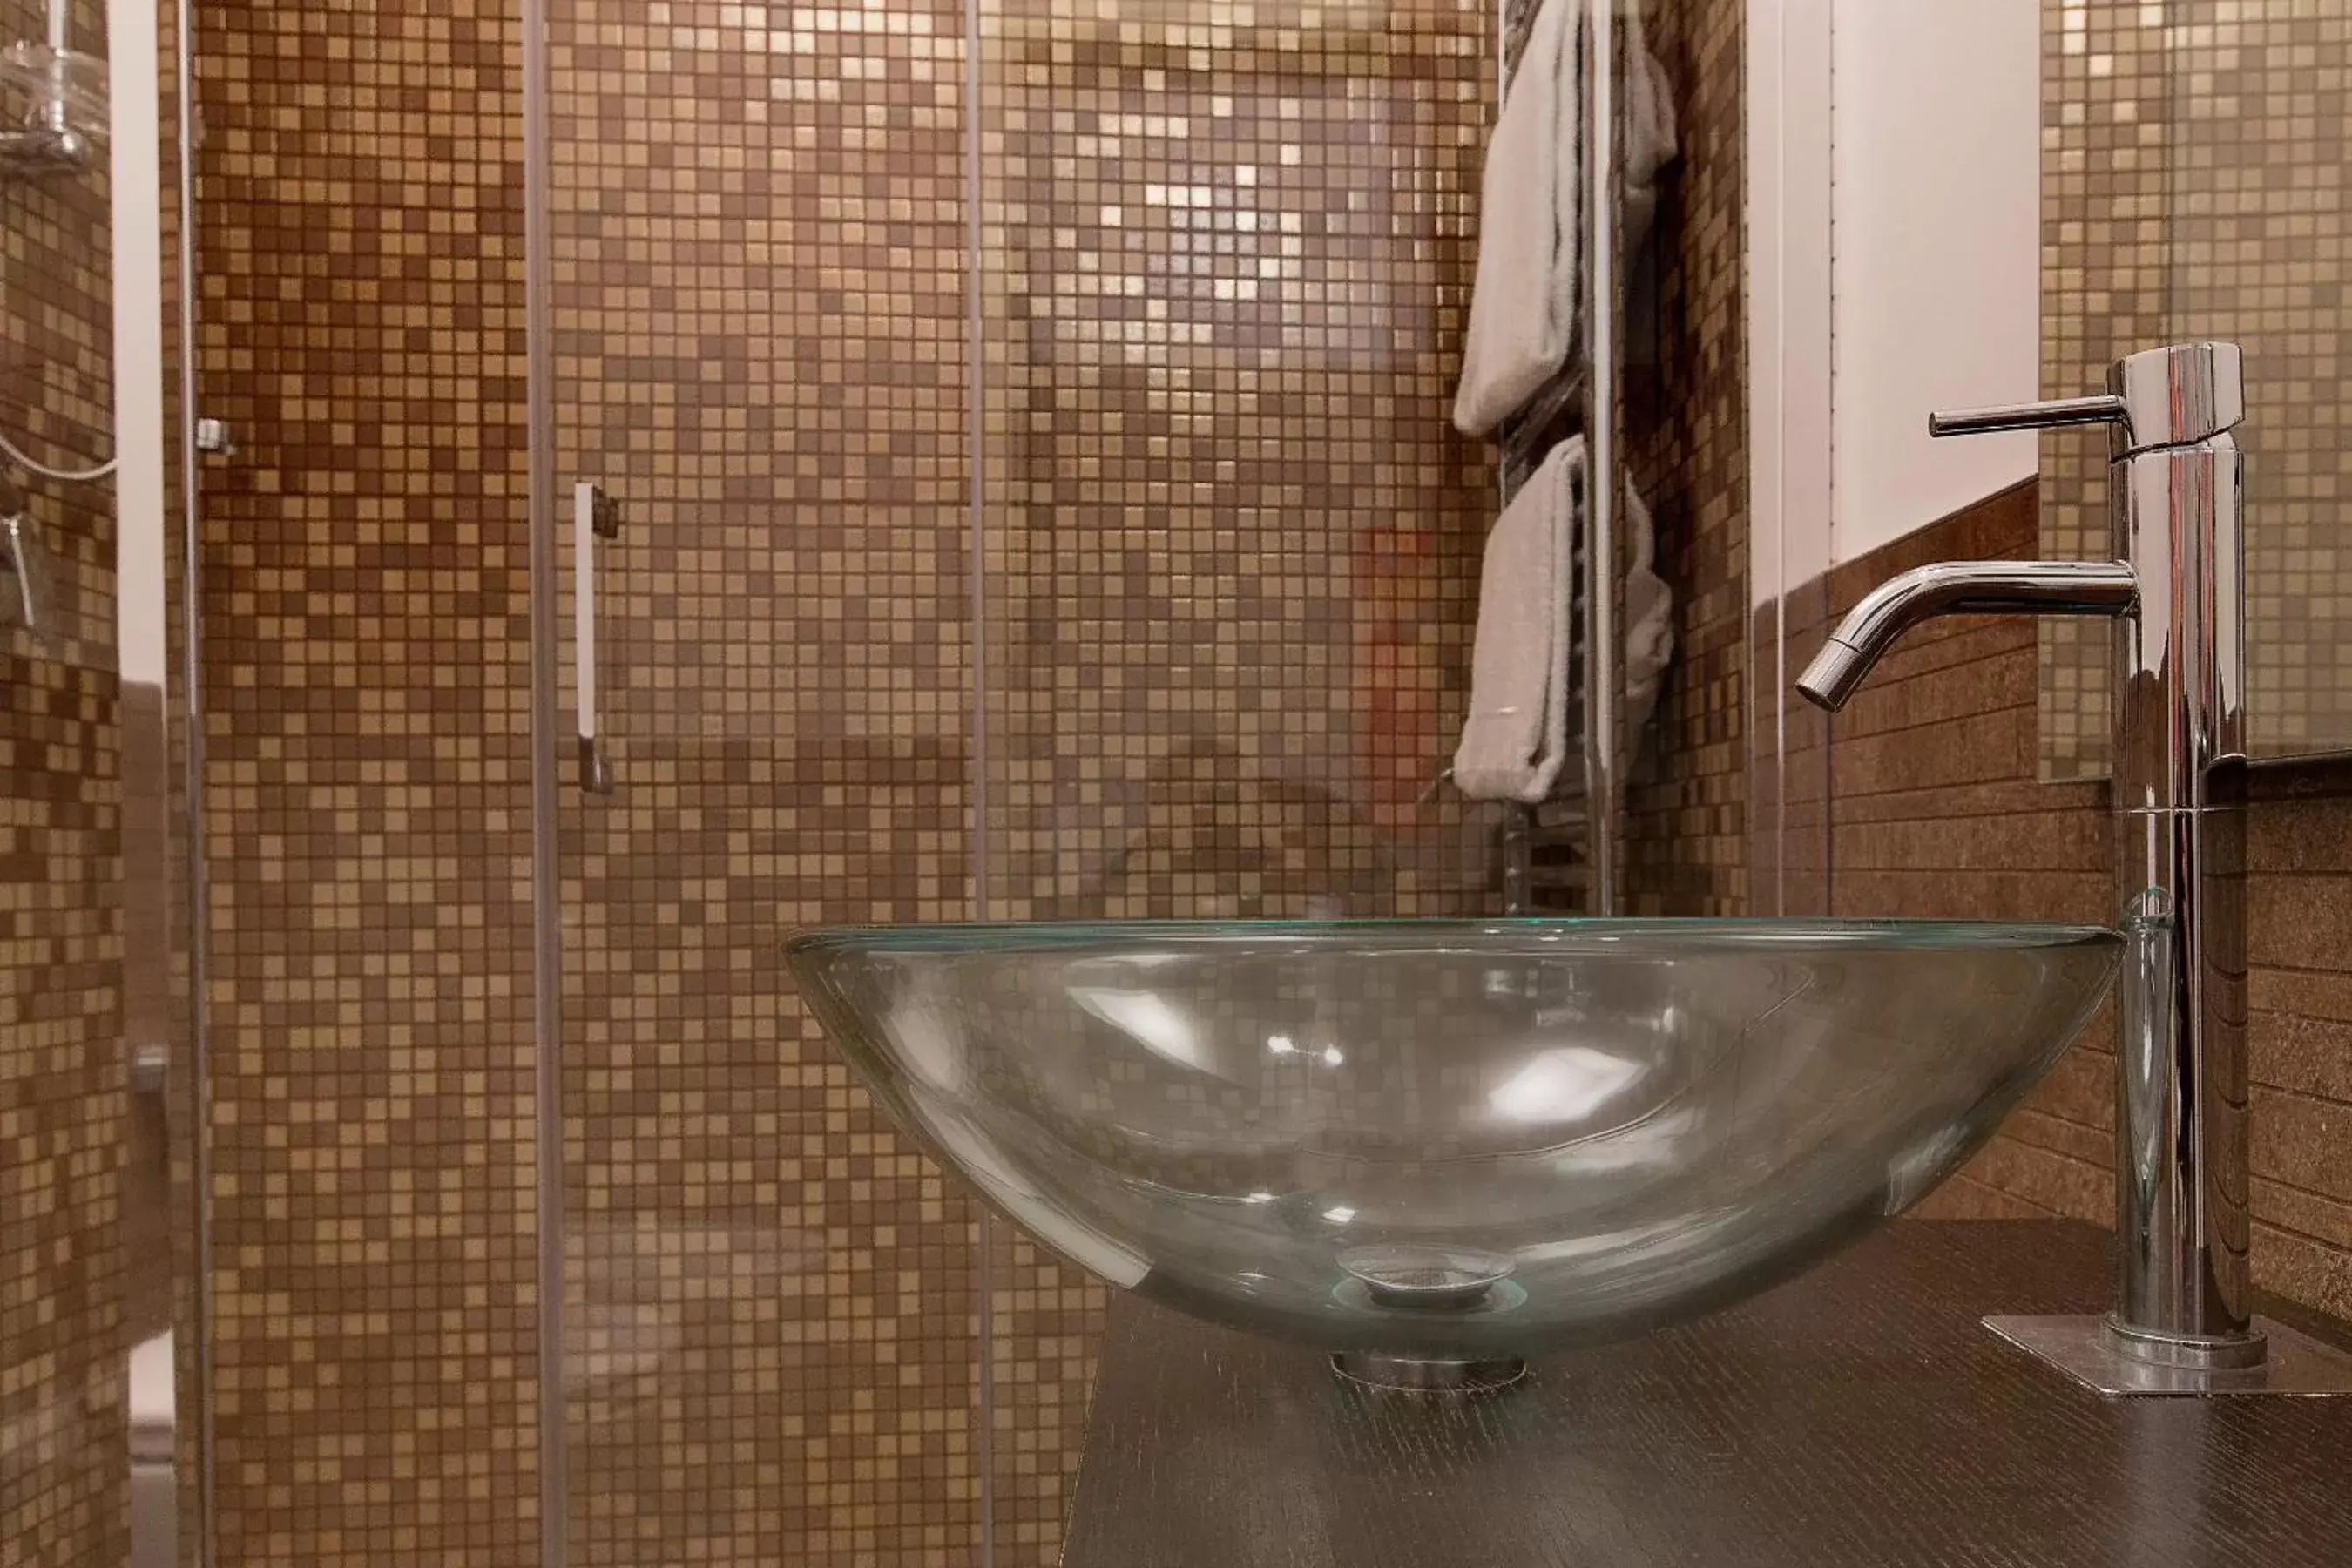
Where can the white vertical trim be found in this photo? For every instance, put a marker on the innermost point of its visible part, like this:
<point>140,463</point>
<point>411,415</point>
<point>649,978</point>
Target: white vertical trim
<point>1791,322</point>
<point>1937,151</point>
<point>134,53</point>
<point>1790,291</point>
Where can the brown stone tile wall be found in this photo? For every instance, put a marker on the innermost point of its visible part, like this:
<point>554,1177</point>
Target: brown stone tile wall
<point>1937,811</point>
<point>63,1093</point>
<point>368,812</point>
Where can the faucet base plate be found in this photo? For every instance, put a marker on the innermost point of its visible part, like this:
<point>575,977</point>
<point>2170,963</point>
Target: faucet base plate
<point>2082,1348</point>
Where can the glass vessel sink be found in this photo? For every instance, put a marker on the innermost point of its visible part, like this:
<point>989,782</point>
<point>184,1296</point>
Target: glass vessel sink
<point>1452,1140</point>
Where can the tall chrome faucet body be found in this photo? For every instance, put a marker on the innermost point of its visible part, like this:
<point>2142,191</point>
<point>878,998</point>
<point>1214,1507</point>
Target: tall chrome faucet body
<point>2182,1320</point>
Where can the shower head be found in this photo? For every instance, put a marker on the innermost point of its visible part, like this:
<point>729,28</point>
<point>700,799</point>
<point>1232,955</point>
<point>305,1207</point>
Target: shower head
<point>53,109</point>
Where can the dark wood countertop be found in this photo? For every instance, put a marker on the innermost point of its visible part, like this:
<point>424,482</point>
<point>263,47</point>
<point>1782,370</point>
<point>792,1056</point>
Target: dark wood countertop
<point>1858,1417</point>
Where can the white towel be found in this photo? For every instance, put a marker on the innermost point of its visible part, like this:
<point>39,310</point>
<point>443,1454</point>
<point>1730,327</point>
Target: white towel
<point>1524,302</point>
<point>1515,740</point>
<point>1651,140</point>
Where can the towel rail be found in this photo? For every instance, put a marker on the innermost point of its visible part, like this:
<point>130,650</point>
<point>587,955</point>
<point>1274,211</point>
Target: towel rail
<point>1547,851</point>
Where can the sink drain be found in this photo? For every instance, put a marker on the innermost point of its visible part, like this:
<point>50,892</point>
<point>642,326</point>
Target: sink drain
<point>1426,1279</point>
<point>1435,1281</point>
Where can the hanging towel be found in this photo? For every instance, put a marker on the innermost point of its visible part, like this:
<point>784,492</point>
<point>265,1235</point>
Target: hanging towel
<point>1516,740</point>
<point>1651,140</point>
<point>1524,300</point>
<point>1523,303</point>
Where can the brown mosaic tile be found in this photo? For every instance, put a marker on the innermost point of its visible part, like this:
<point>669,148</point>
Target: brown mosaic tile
<point>64,1103</point>
<point>771,1298</point>
<point>2104,278</point>
<point>368,813</point>
<point>64,1437</point>
<point>63,1425</point>
<point>1232,540</point>
<point>2260,252</point>
<point>1228,552</point>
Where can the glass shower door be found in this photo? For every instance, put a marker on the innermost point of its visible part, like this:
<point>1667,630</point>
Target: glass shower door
<point>771,1335</point>
<point>1232,540</point>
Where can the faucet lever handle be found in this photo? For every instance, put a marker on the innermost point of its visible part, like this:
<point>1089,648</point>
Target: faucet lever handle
<point>2171,396</point>
<point>2104,409</point>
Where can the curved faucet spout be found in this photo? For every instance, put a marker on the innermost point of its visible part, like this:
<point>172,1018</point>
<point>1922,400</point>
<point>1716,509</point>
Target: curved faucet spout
<point>1960,588</point>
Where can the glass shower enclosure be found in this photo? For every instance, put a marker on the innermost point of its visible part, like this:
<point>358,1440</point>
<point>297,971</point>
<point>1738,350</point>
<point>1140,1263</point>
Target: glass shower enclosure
<point>600,488</point>
<point>1004,472</point>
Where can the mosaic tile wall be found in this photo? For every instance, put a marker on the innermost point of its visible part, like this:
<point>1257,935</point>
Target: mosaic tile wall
<point>2194,187</point>
<point>1232,541</point>
<point>1236,539</point>
<point>1230,552</point>
<point>1937,812</point>
<point>1687,447</point>
<point>1153,784</point>
<point>368,812</point>
<point>772,1299</point>
<point>64,1439</point>
<point>2103,296</point>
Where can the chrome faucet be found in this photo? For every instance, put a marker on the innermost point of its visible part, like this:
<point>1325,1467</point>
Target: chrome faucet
<point>2181,1320</point>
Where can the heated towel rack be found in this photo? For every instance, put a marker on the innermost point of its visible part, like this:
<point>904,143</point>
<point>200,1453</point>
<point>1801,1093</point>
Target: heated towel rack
<point>1561,854</point>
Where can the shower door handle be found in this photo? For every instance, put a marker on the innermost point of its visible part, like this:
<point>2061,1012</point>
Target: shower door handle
<point>594,516</point>
<point>20,557</point>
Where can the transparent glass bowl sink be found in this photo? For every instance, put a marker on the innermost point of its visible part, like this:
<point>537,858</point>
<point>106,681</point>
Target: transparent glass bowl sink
<point>1452,1139</point>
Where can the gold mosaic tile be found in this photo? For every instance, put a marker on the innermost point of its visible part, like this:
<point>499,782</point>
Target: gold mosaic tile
<point>2104,273</point>
<point>1234,542</point>
<point>2192,174</point>
<point>2260,253</point>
